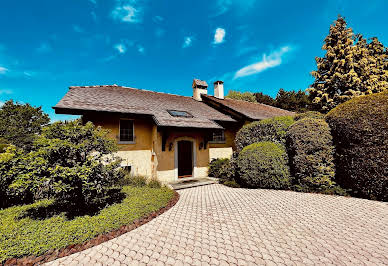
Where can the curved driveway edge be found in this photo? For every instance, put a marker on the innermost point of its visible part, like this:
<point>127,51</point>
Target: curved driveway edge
<point>218,225</point>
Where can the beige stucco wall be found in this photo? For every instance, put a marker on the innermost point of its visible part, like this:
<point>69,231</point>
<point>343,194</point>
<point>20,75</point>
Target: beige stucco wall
<point>166,165</point>
<point>146,157</point>
<point>219,153</point>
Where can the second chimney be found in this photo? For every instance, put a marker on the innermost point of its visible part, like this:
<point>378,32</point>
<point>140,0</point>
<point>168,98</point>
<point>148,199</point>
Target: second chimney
<point>219,89</point>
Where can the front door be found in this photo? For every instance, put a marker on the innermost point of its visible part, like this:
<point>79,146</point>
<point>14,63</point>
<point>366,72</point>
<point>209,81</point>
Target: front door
<point>185,158</point>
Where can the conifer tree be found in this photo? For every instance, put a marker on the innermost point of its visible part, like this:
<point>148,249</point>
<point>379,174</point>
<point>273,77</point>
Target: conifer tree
<point>350,67</point>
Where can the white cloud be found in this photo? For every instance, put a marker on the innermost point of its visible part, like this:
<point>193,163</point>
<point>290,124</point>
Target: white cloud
<point>44,47</point>
<point>120,48</point>
<point>159,32</point>
<point>268,61</point>
<point>188,41</point>
<point>1,103</point>
<point>158,19</point>
<point>219,35</point>
<point>140,49</point>
<point>94,16</point>
<point>239,6</point>
<point>3,70</point>
<point>78,29</point>
<point>5,92</point>
<point>126,11</point>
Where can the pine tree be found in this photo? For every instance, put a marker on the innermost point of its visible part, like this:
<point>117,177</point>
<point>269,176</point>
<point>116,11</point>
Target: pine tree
<point>351,67</point>
<point>335,75</point>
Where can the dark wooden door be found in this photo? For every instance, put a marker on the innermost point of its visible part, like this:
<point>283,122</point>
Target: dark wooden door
<point>185,158</point>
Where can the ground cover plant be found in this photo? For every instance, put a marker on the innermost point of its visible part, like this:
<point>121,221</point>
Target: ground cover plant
<point>24,234</point>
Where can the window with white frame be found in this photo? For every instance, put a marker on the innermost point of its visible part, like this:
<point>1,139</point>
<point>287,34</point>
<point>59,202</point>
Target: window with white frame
<point>218,136</point>
<point>126,131</point>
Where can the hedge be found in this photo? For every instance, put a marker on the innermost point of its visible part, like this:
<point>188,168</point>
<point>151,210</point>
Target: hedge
<point>215,167</point>
<point>263,165</point>
<point>309,114</point>
<point>311,154</point>
<point>360,132</point>
<point>272,129</point>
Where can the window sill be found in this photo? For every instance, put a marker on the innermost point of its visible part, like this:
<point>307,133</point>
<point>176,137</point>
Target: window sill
<point>126,142</point>
<point>217,142</point>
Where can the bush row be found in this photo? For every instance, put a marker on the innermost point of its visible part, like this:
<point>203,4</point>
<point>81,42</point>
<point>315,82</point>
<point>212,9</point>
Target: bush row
<point>349,148</point>
<point>286,153</point>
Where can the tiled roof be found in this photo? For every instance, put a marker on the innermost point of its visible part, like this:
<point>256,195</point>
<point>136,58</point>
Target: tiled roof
<point>254,111</point>
<point>200,82</point>
<point>113,98</point>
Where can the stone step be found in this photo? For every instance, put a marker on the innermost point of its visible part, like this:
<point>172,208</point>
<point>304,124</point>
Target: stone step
<point>183,184</point>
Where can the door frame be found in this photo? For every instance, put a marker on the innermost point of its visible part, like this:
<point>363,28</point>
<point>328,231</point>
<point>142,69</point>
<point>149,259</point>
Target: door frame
<point>194,160</point>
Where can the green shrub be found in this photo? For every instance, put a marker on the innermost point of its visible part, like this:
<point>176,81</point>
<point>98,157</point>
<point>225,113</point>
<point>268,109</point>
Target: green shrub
<point>273,129</point>
<point>154,183</point>
<point>263,165</point>
<point>216,167</point>
<point>69,162</point>
<point>134,180</point>
<point>311,154</point>
<point>309,114</point>
<point>360,134</point>
<point>231,183</point>
<point>13,163</point>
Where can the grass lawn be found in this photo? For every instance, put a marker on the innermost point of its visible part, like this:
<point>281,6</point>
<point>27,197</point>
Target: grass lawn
<point>27,236</point>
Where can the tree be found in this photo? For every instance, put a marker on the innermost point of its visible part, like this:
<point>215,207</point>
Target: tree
<point>246,96</point>
<point>265,99</point>
<point>19,123</point>
<point>71,162</point>
<point>292,100</point>
<point>351,67</point>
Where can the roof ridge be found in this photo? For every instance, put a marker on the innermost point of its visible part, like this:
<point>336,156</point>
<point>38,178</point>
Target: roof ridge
<point>125,87</point>
<point>250,102</point>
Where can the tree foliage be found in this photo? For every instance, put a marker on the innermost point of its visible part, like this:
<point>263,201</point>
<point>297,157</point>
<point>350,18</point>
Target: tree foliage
<point>264,98</point>
<point>19,123</point>
<point>297,101</point>
<point>68,161</point>
<point>351,67</point>
<point>245,96</point>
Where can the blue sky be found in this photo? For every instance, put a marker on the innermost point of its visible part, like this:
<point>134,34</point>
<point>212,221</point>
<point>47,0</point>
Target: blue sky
<point>253,45</point>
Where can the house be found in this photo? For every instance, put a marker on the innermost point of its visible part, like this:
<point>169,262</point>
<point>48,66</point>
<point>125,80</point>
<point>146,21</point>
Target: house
<point>164,135</point>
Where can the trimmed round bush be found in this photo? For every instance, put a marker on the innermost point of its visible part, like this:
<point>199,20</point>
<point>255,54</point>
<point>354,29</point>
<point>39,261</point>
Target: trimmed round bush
<point>273,129</point>
<point>264,165</point>
<point>311,154</point>
<point>216,167</point>
<point>309,114</point>
<point>360,134</point>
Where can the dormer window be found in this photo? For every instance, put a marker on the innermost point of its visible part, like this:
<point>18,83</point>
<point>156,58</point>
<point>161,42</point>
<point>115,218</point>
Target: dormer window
<point>177,113</point>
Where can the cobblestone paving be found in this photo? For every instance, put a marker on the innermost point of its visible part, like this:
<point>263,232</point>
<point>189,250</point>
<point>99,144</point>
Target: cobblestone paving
<point>217,225</point>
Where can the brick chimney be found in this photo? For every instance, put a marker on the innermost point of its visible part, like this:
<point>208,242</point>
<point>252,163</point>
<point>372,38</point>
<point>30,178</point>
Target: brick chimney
<point>219,89</point>
<point>199,87</point>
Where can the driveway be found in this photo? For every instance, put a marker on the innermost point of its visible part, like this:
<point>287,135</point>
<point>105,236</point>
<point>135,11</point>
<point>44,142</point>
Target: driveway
<point>218,225</point>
